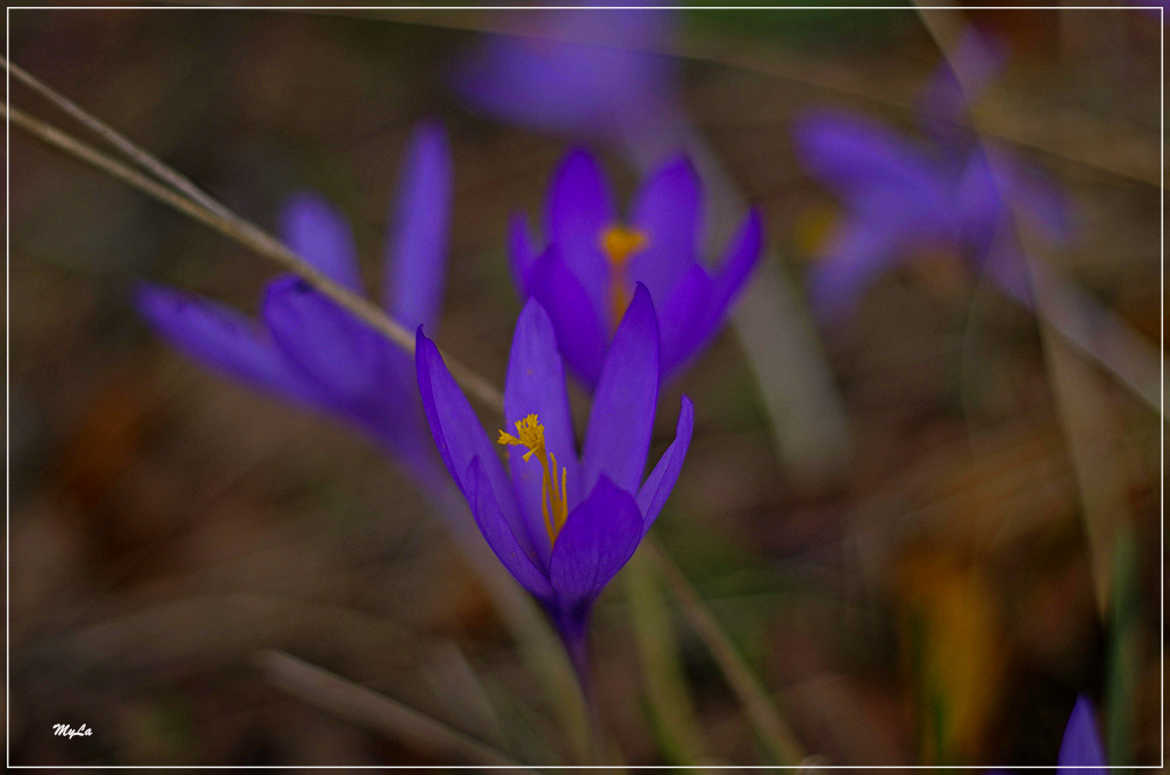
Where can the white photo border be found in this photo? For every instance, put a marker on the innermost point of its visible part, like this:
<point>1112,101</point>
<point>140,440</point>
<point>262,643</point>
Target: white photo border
<point>1161,11</point>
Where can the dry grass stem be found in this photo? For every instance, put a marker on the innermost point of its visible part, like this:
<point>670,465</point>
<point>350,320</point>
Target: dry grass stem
<point>375,711</point>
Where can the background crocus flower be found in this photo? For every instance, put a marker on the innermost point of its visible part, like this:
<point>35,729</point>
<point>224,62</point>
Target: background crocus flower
<point>902,197</point>
<point>1080,748</point>
<point>586,277</point>
<point>554,80</point>
<point>561,525</point>
<point>310,349</point>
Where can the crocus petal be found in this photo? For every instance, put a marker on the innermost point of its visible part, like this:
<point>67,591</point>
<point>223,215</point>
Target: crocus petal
<point>1007,265</point>
<point>742,255</point>
<point>1081,745</point>
<point>685,318</point>
<point>980,205</point>
<point>313,229</point>
<point>499,536</point>
<point>1036,199</point>
<point>520,253</point>
<point>684,329</point>
<point>598,538</point>
<point>668,210</point>
<point>571,87</point>
<point>324,342</point>
<point>853,156</point>
<point>945,100</point>
<point>862,248</point>
<point>580,335</point>
<point>579,209</point>
<point>536,385</point>
<point>659,484</point>
<point>221,338</point>
<point>460,437</point>
<point>620,423</point>
<point>416,257</point>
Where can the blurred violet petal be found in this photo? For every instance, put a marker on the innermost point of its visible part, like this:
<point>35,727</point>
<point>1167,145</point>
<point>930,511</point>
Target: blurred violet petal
<point>579,209</point>
<point>1041,203</point>
<point>658,486</point>
<point>598,538</point>
<point>520,252</point>
<point>416,256</point>
<point>313,229</point>
<point>553,80</point>
<point>221,338</point>
<point>1081,746</point>
<point>978,200</point>
<point>742,256</point>
<point>854,155</point>
<point>685,317</point>
<point>499,536</point>
<point>944,100</point>
<point>536,385</point>
<point>668,210</point>
<point>325,342</point>
<point>1006,265</point>
<point>622,418</point>
<point>861,250</point>
<point>580,335</point>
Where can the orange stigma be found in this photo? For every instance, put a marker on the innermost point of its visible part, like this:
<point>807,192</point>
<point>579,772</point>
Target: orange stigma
<point>620,243</point>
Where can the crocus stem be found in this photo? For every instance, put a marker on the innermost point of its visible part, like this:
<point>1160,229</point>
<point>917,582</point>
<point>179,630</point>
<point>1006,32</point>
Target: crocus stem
<point>574,629</point>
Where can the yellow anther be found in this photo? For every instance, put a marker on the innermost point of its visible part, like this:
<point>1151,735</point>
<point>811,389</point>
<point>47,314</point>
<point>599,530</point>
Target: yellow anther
<point>554,500</point>
<point>531,435</point>
<point>620,243</point>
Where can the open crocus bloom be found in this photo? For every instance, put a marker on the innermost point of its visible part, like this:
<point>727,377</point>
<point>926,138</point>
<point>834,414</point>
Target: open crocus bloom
<point>561,525</point>
<point>1080,748</point>
<point>310,349</point>
<point>902,197</point>
<point>587,275</point>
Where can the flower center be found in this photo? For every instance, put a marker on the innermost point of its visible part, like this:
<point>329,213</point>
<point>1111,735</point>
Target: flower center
<point>554,501</point>
<point>620,243</point>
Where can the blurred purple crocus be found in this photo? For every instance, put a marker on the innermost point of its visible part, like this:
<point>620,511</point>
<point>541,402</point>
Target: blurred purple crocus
<point>1081,745</point>
<point>561,525</point>
<point>1080,748</point>
<point>310,349</point>
<point>902,197</point>
<point>555,80</point>
<point>585,278</point>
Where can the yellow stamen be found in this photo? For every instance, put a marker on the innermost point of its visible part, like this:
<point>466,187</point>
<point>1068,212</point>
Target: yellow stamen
<point>554,501</point>
<point>619,244</point>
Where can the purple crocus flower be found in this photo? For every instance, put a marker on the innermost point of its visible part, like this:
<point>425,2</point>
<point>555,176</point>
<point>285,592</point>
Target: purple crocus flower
<point>586,277</point>
<point>310,349</point>
<point>552,80</point>
<point>561,525</point>
<point>1080,747</point>
<point>902,197</point>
